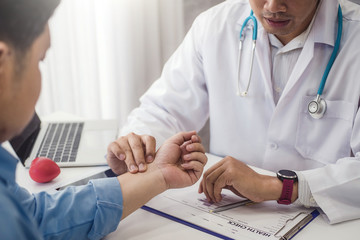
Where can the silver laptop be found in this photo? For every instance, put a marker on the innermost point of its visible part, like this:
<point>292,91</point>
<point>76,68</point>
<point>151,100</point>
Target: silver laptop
<point>69,144</point>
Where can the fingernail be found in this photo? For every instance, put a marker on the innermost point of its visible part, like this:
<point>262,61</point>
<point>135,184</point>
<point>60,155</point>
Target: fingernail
<point>122,157</point>
<point>133,168</point>
<point>149,159</point>
<point>190,147</point>
<point>184,165</point>
<point>142,167</point>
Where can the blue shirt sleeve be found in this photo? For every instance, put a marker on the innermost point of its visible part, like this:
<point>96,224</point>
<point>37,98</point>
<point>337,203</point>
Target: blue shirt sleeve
<point>15,222</point>
<point>85,212</point>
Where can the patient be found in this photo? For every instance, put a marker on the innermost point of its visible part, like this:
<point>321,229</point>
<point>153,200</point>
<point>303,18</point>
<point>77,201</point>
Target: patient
<point>86,212</point>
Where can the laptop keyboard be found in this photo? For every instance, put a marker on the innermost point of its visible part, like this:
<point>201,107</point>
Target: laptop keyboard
<point>61,141</point>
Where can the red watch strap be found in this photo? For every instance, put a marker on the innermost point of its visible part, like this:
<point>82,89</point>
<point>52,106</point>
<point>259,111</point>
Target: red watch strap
<point>286,192</point>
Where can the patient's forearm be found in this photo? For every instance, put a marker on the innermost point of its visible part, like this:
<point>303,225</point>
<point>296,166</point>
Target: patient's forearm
<point>139,188</point>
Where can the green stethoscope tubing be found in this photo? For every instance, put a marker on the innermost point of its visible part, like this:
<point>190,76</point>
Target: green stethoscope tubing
<point>326,72</point>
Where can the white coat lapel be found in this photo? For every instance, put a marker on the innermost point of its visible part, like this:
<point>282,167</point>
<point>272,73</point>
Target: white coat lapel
<point>327,16</point>
<point>302,63</point>
<point>263,56</point>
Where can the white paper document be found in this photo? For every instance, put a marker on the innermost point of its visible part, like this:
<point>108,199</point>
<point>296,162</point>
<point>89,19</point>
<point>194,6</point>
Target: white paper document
<point>254,221</point>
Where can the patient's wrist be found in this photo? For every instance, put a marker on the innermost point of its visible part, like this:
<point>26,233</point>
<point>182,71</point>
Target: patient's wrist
<point>158,177</point>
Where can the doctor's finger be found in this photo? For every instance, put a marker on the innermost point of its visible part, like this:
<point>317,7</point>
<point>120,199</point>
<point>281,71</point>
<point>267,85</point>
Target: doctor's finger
<point>150,147</point>
<point>219,185</point>
<point>127,151</point>
<point>117,166</point>
<point>138,151</point>
<point>200,189</point>
<point>211,181</point>
<point>213,168</point>
<point>115,151</point>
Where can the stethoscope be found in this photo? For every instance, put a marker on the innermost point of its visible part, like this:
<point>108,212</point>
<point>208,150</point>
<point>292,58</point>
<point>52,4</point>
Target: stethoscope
<point>317,107</point>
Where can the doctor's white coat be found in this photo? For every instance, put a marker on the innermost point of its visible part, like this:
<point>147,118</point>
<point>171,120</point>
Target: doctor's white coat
<point>200,82</point>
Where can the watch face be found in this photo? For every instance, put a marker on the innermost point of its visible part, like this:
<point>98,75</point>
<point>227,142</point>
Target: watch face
<point>287,174</point>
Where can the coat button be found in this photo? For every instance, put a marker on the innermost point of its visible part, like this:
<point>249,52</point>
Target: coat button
<point>273,146</point>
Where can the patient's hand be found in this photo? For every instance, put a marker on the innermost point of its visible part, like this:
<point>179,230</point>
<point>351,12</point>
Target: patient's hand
<point>181,160</point>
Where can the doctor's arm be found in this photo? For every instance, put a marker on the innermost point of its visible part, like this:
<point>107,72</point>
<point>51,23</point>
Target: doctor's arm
<point>333,187</point>
<point>177,101</point>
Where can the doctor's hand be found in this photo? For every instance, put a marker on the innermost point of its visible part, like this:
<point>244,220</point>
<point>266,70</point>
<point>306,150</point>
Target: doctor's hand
<point>131,153</point>
<point>181,160</point>
<point>236,176</point>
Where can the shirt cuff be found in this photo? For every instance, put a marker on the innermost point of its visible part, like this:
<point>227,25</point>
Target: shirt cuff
<point>305,197</point>
<point>109,207</point>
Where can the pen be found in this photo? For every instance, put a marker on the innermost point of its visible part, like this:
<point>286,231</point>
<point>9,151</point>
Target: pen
<point>231,205</point>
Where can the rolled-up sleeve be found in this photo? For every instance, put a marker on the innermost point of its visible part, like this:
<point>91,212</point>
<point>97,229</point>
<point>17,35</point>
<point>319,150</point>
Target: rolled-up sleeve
<point>109,207</point>
<point>84,212</point>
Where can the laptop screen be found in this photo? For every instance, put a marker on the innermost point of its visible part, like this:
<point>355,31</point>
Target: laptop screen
<point>24,142</point>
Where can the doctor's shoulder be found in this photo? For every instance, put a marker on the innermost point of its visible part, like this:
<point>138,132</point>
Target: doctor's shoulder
<point>351,16</point>
<point>351,32</point>
<point>351,10</point>
<point>227,10</point>
<point>222,18</point>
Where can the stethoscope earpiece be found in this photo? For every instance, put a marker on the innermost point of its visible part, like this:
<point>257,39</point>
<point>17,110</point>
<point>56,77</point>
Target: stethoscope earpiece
<point>241,94</point>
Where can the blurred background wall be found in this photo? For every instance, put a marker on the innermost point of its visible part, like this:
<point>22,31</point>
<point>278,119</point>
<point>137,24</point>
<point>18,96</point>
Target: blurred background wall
<point>106,53</point>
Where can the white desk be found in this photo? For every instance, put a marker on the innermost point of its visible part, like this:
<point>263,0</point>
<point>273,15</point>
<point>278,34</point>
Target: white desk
<point>67,176</point>
<point>143,225</point>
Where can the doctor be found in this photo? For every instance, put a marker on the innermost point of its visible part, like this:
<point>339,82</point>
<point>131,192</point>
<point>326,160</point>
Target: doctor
<point>271,127</point>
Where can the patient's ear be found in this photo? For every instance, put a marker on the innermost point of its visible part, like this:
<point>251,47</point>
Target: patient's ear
<point>4,55</point>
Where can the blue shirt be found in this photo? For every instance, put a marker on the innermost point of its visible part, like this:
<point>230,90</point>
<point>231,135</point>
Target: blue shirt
<point>86,212</point>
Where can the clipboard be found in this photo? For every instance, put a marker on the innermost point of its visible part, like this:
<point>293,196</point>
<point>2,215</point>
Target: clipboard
<point>302,220</point>
<point>184,222</point>
<point>261,221</point>
<point>289,234</point>
<point>258,221</point>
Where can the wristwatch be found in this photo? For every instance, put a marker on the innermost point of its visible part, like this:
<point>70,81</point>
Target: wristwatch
<point>288,178</point>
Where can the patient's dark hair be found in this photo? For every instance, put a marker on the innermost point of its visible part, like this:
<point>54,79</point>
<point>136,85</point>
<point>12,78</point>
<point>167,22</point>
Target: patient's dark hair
<point>22,21</point>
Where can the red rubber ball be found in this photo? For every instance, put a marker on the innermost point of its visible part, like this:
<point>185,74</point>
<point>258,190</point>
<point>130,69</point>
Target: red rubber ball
<point>43,170</point>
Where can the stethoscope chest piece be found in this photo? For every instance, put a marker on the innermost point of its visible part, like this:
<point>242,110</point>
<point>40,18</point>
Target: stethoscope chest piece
<point>317,108</point>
